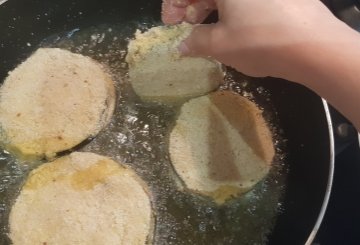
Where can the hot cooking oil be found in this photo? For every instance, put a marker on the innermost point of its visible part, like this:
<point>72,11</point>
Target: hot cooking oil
<point>138,136</point>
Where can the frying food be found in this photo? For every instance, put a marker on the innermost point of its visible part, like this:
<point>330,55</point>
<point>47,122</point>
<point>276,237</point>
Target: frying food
<point>82,198</point>
<point>53,101</point>
<point>221,145</point>
<point>157,71</point>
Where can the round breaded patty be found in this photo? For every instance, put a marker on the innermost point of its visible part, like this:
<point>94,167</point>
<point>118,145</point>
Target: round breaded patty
<point>157,71</point>
<point>221,145</point>
<point>82,198</point>
<point>53,101</point>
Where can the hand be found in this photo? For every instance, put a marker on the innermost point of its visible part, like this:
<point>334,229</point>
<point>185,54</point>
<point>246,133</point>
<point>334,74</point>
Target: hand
<point>257,37</point>
<point>191,11</point>
<point>298,40</point>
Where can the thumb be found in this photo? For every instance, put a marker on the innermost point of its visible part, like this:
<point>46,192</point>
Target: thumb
<point>199,42</point>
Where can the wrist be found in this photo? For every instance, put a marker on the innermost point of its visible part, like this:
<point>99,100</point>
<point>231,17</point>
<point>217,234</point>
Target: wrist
<point>326,55</point>
<point>331,69</point>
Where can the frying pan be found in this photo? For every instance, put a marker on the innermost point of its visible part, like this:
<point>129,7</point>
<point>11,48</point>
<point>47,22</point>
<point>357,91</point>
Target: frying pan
<point>302,116</point>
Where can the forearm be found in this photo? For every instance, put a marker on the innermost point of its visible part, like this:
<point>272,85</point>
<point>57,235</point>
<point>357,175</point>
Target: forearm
<point>332,69</point>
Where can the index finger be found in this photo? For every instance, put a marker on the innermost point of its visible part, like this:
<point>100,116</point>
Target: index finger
<point>199,10</point>
<point>173,11</point>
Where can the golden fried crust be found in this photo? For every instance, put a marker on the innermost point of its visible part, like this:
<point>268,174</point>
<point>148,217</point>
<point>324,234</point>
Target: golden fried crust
<point>158,73</point>
<point>82,198</point>
<point>221,145</point>
<point>53,101</point>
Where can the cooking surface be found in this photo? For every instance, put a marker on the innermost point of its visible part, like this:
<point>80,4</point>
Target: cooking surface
<point>137,136</point>
<point>303,121</point>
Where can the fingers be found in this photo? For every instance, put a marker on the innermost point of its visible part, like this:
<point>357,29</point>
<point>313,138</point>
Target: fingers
<point>192,11</point>
<point>200,42</point>
<point>198,11</point>
<point>181,3</point>
<point>173,14</point>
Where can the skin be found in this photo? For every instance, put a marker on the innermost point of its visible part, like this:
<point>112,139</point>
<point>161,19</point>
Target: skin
<point>297,40</point>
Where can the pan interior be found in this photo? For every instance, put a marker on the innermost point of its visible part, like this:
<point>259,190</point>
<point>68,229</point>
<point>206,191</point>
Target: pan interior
<point>138,136</point>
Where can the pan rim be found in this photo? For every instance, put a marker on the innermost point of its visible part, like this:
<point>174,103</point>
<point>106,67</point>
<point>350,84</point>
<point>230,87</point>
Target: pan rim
<point>325,203</point>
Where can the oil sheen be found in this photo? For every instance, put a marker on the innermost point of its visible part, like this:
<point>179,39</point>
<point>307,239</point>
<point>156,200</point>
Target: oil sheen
<point>138,136</point>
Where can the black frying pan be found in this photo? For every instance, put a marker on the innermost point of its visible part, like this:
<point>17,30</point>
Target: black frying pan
<point>302,115</point>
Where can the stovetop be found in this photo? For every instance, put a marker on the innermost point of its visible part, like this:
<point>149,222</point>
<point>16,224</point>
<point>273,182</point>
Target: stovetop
<point>341,224</point>
<point>347,10</point>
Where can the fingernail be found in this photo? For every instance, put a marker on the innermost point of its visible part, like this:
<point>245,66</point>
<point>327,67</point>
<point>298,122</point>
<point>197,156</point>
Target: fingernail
<point>183,48</point>
<point>171,14</point>
<point>197,12</point>
<point>191,14</point>
<point>181,3</point>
